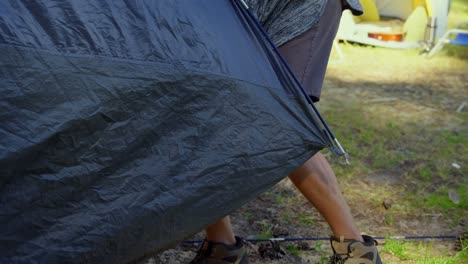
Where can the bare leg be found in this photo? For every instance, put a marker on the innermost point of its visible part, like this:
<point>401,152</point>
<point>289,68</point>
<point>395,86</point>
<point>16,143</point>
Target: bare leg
<point>317,182</point>
<point>315,179</point>
<point>221,231</point>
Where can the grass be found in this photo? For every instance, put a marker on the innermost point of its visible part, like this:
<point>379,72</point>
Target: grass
<point>400,121</point>
<point>417,139</point>
<point>385,146</point>
<point>458,13</point>
<point>425,173</point>
<point>266,234</point>
<point>279,199</point>
<point>441,199</point>
<point>266,230</point>
<point>306,219</point>
<point>293,250</point>
<point>423,252</point>
<point>397,248</point>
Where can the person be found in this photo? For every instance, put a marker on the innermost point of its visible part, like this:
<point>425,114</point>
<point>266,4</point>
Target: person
<point>304,31</point>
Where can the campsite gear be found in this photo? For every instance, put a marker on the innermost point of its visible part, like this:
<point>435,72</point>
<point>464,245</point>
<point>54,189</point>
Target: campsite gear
<point>429,35</point>
<point>351,251</point>
<point>409,17</point>
<point>220,253</point>
<point>431,29</point>
<point>370,11</point>
<point>386,36</point>
<point>280,239</point>
<point>415,25</point>
<point>127,127</point>
<point>456,36</point>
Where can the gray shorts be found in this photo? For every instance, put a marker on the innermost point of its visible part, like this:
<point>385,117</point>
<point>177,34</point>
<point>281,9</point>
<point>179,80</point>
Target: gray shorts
<point>308,53</point>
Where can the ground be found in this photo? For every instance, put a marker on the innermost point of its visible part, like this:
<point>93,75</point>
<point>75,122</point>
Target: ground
<point>403,119</point>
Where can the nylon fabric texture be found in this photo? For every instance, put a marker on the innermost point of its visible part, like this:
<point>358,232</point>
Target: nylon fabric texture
<point>127,126</point>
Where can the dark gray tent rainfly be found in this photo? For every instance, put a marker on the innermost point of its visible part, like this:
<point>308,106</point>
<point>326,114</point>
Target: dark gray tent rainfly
<point>126,126</point>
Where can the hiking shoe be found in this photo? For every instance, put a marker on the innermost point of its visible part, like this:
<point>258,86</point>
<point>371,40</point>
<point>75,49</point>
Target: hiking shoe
<point>220,253</point>
<point>351,251</point>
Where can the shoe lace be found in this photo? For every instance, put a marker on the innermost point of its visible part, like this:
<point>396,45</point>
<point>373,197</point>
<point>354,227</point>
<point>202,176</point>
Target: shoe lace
<point>198,258</point>
<point>201,254</point>
<point>336,259</point>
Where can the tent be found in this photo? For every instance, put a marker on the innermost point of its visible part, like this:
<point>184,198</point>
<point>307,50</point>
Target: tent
<point>127,126</point>
<point>395,23</point>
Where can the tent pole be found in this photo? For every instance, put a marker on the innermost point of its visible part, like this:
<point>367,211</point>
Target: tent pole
<point>341,151</point>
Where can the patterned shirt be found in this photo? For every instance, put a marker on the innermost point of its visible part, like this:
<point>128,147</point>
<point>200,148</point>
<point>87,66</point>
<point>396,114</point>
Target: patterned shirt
<point>286,19</point>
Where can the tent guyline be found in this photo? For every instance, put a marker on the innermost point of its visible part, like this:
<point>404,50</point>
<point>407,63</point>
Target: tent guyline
<point>250,16</point>
<point>284,239</point>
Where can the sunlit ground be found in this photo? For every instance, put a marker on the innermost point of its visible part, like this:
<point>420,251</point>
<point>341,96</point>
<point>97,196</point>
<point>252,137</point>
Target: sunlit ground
<point>404,120</point>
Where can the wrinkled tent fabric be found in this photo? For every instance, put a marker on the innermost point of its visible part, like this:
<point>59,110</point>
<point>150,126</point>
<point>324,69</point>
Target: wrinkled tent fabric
<point>127,126</point>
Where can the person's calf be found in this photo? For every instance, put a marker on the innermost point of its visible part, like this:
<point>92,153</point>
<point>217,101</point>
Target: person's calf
<point>316,180</point>
<point>221,231</point>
